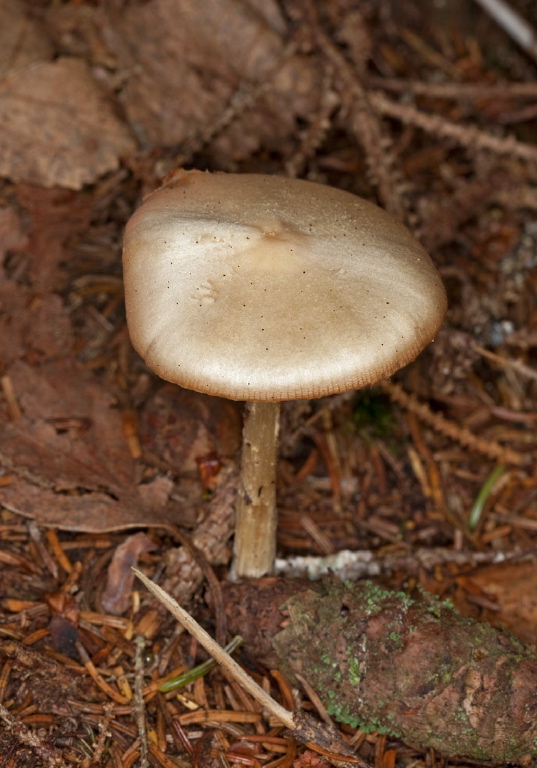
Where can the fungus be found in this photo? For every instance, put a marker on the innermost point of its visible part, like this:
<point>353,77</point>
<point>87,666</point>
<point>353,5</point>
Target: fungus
<point>263,289</point>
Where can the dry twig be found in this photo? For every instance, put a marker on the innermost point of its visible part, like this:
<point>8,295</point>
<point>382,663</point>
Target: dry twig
<point>381,160</point>
<point>465,135</point>
<point>461,435</point>
<point>303,727</point>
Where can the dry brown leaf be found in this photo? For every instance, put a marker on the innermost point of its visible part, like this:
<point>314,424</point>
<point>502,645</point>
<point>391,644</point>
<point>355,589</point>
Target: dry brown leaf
<point>12,236</point>
<point>183,427</point>
<point>68,455</point>
<point>187,60</point>
<point>31,326</point>
<point>56,127</point>
<point>58,217</point>
<point>89,513</point>
<point>116,597</point>
<point>513,586</point>
<point>22,39</point>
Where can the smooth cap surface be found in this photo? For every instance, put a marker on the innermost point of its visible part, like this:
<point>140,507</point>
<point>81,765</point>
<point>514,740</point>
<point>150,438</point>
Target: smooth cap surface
<point>257,287</point>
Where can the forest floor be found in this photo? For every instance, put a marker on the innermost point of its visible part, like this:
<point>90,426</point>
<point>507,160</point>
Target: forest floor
<point>427,109</point>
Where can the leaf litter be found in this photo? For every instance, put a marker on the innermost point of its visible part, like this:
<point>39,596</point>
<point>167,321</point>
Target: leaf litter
<point>390,101</point>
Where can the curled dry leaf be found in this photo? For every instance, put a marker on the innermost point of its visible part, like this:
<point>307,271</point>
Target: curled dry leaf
<point>120,577</point>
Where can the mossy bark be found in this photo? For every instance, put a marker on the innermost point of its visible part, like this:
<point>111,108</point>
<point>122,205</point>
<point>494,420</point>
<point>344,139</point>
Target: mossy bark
<point>383,661</point>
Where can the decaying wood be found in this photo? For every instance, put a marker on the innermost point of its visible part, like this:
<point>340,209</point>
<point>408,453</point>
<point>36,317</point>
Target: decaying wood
<point>303,727</point>
<point>417,106</point>
<point>183,575</point>
<point>384,661</point>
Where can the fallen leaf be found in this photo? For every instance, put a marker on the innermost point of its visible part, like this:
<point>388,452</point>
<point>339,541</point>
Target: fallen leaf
<point>23,40</point>
<point>513,586</point>
<point>12,235</point>
<point>88,513</point>
<point>57,128</point>
<point>58,218</point>
<point>69,456</point>
<point>187,61</point>
<point>117,594</point>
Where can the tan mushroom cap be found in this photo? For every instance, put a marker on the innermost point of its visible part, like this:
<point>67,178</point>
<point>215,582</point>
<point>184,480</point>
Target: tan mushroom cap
<point>265,288</point>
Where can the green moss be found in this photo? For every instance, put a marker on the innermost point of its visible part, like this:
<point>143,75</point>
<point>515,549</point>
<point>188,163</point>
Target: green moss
<point>376,598</point>
<point>354,671</point>
<point>405,599</point>
<point>461,716</point>
<point>373,414</point>
<point>342,714</point>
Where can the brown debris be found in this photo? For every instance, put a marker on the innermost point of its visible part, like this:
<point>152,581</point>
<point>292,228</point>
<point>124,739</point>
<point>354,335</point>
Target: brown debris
<point>506,593</point>
<point>426,109</point>
<point>50,682</point>
<point>117,594</point>
<point>407,666</point>
<point>23,40</point>
<point>183,428</point>
<point>79,139</point>
<point>183,575</point>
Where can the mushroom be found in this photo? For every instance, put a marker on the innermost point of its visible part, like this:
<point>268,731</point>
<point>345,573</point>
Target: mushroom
<point>263,288</point>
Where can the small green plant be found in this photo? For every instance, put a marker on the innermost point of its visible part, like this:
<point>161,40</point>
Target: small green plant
<point>373,414</point>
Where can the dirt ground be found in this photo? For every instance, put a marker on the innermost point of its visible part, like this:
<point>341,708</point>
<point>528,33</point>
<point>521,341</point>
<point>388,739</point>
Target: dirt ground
<point>427,109</point>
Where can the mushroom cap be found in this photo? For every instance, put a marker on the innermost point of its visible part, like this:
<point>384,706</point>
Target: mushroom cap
<point>265,288</point>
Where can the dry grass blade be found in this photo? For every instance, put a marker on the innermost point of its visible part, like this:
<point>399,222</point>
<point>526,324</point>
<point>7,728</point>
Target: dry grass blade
<point>512,23</point>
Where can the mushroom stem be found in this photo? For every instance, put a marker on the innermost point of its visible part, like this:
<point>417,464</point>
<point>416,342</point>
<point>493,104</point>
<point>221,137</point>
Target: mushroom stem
<point>255,528</point>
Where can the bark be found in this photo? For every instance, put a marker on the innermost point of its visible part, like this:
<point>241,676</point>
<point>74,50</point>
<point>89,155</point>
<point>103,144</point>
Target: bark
<point>383,661</point>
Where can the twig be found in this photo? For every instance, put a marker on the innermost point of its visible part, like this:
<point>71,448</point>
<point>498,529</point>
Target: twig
<point>455,91</point>
<point>217,652</point>
<point>513,24</point>
<point>139,704</point>
<point>461,435</point>
<point>466,135</point>
<point>306,729</point>
<point>243,99</point>
<point>381,160</point>
<point>99,745</point>
<point>363,564</point>
<point>516,365</point>
<point>317,130</point>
